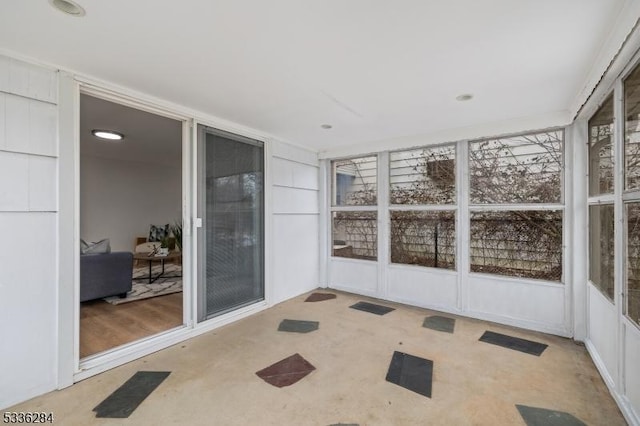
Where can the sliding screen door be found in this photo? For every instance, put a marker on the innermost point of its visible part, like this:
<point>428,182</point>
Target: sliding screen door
<point>231,260</point>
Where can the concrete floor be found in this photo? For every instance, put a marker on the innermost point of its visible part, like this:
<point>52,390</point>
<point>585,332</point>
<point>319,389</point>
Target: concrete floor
<point>213,379</point>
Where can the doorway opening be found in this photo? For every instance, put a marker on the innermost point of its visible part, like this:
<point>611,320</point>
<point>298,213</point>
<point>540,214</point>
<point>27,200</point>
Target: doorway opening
<point>131,214</point>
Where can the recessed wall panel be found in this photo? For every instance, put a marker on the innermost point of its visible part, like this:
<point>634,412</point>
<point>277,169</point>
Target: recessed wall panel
<point>356,276</point>
<point>423,287</point>
<point>539,305</point>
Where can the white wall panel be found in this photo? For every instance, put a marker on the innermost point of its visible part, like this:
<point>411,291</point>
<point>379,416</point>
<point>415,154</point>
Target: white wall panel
<point>296,221</point>
<point>294,153</point>
<point>602,329</point>
<point>355,276</point>
<point>42,84</point>
<point>42,128</point>
<point>632,366</point>
<point>282,172</point>
<point>532,305</point>
<point>5,64</point>
<point>30,126</point>
<point>292,200</point>
<point>19,78</point>
<point>306,176</point>
<point>28,80</point>
<point>43,183</point>
<point>28,185</point>
<point>17,123</point>
<point>294,174</point>
<point>27,306</point>
<point>295,255</point>
<point>423,287</point>
<point>14,181</point>
<point>3,120</point>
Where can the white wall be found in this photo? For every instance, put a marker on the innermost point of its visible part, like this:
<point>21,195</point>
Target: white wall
<point>295,226</point>
<point>119,199</point>
<point>28,225</point>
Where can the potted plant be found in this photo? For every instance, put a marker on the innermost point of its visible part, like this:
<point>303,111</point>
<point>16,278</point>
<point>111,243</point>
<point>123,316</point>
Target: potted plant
<point>164,247</point>
<point>176,229</point>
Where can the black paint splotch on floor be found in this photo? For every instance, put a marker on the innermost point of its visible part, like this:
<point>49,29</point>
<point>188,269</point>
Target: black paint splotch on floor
<point>515,343</point>
<point>320,297</point>
<point>298,326</point>
<point>286,371</point>
<point>439,323</point>
<point>124,400</point>
<point>534,416</point>
<point>411,372</point>
<point>372,308</point>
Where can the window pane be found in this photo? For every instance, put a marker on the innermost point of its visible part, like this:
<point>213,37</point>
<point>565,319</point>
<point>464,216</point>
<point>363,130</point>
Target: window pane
<point>631,130</point>
<point>600,152</point>
<point>424,238</point>
<point>601,247</point>
<point>354,181</point>
<point>633,262</point>
<point>355,235</point>
<point>423,176</point>
<point>517,243</point>
<point>519,169</point>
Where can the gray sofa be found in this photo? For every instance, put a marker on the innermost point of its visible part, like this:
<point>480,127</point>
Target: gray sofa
<point>104,275</point>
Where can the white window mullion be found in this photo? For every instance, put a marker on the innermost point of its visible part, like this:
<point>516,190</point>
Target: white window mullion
<point>384,257</point>
<point>516,207</point>
<point>463,261</point>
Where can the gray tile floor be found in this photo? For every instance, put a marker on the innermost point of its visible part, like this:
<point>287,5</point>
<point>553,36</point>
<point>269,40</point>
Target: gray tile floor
<point>213,380</point>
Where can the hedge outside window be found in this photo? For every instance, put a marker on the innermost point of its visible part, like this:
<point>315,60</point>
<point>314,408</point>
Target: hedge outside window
<point>355,235</point>
<point>425,238</point>
<point>421,180</point>
<point>600,150</point>
<point>524,244</point>
<point>517,170</point>
<point>423,176</point>
<point>633,262</point>
<point>601,248</point>
<point>632,130</point>
<point>354,181</point>
<point>354,217</point>
<point>523,175</point>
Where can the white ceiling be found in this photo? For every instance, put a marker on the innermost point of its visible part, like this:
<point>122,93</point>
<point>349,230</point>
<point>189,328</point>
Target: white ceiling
<point>374,69</point>
<point>148,138</point>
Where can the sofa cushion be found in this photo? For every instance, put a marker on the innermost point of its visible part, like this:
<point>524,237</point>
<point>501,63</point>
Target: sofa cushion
<point>99,247</point>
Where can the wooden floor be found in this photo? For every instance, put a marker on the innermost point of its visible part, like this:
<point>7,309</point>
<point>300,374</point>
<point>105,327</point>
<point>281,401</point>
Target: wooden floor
<point>104,326</point>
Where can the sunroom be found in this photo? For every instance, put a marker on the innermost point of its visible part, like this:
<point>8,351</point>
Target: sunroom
<point>481,162</point>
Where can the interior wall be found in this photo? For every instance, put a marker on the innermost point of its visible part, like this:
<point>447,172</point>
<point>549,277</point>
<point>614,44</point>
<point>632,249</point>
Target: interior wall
<point>28,224</point>
<point>120,199</point>
<point>296,226</point>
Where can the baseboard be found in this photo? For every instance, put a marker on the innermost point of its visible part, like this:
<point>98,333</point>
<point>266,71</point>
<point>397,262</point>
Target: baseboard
<point>354,290</point>
<point>627,410</point>
<point>24,397</point>
<point>513,322</point>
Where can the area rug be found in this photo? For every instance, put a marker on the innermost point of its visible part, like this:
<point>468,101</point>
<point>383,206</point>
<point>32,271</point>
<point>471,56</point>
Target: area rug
<point>141,289</point>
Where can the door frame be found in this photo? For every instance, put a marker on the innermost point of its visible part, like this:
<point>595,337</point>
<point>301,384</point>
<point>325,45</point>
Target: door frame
<point>200,168</point>
<point>69,366</point>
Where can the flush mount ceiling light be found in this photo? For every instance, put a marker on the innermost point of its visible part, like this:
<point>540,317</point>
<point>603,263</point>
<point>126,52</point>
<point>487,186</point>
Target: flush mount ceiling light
<point>109,135</point>
<point>326,126</point>
<point>464,97</point>
<point>69,7</point>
